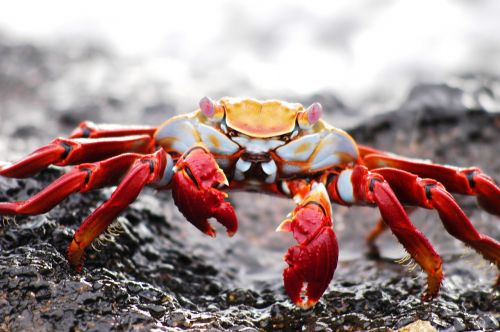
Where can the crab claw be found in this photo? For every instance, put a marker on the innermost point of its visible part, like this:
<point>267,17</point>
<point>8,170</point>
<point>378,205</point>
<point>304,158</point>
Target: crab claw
<point>313,261</point>
<point>194,189</point>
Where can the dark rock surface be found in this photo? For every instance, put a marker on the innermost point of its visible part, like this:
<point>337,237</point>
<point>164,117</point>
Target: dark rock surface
<point>160,274</point>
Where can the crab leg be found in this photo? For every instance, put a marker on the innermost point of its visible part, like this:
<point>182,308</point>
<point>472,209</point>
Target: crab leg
<point>148,169</point>
<point>313,261</point>
<point>68,151</point>
<point>359,186</point>
<point>468,181</point>
<point>430,194</point>
<point>88,129</point>
<point>381,226</point>
<point>81,178</point>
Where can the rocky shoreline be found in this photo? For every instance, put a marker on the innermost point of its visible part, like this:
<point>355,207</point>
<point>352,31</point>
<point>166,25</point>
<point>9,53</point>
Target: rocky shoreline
<point>161,274</point>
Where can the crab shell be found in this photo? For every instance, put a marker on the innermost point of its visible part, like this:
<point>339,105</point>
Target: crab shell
<point>294,139</point>
<point>260,119</point>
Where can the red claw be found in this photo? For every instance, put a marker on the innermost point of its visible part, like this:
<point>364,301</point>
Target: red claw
<point>311,268</point>
<point>313,261</point>
<point>194,191</point>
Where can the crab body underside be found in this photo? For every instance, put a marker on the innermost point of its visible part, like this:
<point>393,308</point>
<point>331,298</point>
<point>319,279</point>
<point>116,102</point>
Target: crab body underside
<point>267,146</point>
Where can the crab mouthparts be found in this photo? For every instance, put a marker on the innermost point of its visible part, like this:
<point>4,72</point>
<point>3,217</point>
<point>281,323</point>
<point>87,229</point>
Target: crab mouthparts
<point>257,167</point>
<point>256,157</point>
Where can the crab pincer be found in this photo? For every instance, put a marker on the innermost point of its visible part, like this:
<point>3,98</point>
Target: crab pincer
<point>196,193</point>
<point>313,261</point>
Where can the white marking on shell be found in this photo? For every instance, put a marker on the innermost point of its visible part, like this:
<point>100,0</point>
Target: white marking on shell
<point>330,147</point>
<point>223,145</point>
<point>243,165</point>
<point>242,141</point>
<point>257,145</point>
<point>182,133</point>
<point>274,143</point>
<point>300,149</point>
<point>325,163</point>
<point>344,186</point>
<point>291,169</point>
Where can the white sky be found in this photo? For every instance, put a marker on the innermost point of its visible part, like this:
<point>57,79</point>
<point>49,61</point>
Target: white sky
<point>354,48</point>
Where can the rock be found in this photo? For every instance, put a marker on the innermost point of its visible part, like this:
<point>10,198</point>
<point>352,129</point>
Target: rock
<point>161,274</point>
<point>418,326</point>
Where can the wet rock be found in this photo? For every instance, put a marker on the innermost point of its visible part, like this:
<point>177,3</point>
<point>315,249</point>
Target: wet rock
<point>165,285</point>
<point>157,272</point>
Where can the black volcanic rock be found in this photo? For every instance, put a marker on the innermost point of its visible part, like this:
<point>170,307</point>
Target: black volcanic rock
<point>160,273</point>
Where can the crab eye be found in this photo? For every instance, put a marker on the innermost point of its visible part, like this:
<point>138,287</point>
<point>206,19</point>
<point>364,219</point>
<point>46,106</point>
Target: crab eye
<point>207,106</point>
<point>211,109</point>
<point>310,116</point>
<point>314,112</point>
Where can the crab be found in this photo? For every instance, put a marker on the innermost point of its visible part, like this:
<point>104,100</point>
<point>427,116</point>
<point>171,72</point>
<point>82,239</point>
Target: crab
<point>274,147</point>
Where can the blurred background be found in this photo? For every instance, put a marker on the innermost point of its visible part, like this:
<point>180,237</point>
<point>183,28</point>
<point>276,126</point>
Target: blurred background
<point>367,54</point>
<point>142,62</point>
<point>434,63</point>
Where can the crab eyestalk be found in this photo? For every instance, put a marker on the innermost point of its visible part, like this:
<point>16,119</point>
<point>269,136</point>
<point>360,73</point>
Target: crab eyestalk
<point>211,109</point>
<point>310,116</point>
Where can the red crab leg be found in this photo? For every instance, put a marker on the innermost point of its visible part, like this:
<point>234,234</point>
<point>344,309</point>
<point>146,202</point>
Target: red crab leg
<point>68,151</point>
<point>149,169</point>
<point>468,181</point>
<point>381,226</point>
<point>88,129</point>
<point>430,194</point>
<point>359,186</point>
<point>81,178</point>
<point>313,261</point>
<point>194,189</point>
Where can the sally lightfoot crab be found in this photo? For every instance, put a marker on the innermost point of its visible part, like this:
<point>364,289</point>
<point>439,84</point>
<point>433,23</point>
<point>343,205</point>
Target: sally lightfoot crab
<point>274,147</point>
